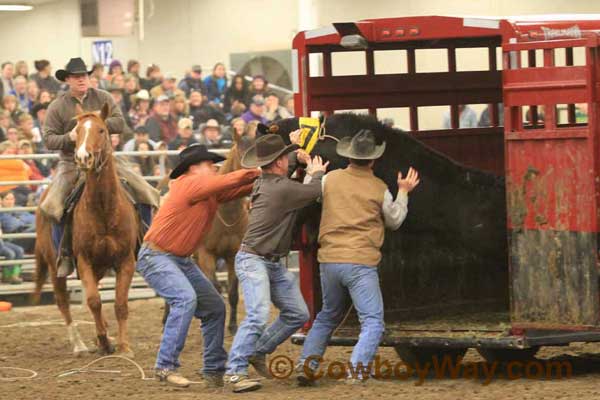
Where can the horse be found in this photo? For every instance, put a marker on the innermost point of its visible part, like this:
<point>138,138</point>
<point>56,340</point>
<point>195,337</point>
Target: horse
<point>225,236</point>
<point>452,247</point>
<point>104,235</point>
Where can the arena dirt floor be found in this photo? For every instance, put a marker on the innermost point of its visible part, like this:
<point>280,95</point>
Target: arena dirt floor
<point>44,348</point>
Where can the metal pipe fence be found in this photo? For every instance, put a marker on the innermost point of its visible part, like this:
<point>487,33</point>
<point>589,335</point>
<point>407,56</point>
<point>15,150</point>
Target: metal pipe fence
<point>51,156</point>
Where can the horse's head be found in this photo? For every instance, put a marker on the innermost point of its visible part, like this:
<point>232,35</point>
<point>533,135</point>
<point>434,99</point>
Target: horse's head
<point>332,130</point>
<point>234,157</point>
<point>93,140</point>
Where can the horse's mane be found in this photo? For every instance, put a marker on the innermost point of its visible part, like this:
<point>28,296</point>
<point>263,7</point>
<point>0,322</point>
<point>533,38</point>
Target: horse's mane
<point>347,124</point>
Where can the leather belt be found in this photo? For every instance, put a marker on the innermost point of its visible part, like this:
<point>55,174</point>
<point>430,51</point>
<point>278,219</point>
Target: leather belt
<point>154,247</point>
<point>269,257</point>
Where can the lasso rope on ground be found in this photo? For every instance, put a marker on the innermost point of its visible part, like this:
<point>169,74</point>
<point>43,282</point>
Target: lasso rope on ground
<point>85,369</point>
<point>18,378</point>
<point>43,323</point>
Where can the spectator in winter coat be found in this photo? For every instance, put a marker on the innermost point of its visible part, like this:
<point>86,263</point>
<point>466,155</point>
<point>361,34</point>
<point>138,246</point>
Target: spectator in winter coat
<point>201,112</point>
<point>236,93</point>
<point>193,81</point>
<point>162,125</point>
<point>216,85</point>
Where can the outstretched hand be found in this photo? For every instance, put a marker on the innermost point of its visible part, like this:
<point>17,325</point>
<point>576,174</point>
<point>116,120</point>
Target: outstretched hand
<point>295,136</point>
<point>316,165</point>
<point>410,182</point>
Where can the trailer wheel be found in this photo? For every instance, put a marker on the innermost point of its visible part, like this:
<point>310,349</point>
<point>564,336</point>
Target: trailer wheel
<point>412,355</point>
<point>508,355</point>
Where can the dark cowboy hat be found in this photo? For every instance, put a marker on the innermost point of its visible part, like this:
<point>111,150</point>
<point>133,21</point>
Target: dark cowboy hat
<point>74,66</point>
<point>38,107</point>
<point>266,150</point>
<point>191,155</point>
<point>362,146</point>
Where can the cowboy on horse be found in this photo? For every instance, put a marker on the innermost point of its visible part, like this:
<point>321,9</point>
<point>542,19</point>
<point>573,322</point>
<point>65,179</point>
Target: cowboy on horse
<point>59,133</point>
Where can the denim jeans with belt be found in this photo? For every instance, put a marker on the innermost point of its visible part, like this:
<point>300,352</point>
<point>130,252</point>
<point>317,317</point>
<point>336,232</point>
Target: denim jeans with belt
<point>362,283</point>
<point>189,293</point>
<point>263,282</point>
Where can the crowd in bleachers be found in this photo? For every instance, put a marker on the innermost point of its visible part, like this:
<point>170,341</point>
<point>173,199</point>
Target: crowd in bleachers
<point>161,112</point>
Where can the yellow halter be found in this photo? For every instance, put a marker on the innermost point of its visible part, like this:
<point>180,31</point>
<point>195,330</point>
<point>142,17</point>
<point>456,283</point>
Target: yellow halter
<point>309,134</point>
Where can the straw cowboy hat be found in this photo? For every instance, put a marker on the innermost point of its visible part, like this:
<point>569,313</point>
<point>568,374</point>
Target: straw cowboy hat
<point>362,146</point>
<point>191,155</point>
<point>266,150</point>
<point>74,66</point>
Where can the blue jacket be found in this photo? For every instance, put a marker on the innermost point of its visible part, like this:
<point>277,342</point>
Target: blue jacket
<point>17,222</point>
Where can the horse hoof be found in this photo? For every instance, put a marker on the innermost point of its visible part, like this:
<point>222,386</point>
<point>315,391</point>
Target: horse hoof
<point>105,347</point>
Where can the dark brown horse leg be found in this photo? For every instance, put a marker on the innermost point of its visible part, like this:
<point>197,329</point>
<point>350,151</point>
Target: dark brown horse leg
<point>94,303</point>
<point>62,301</point>
<point>124,276</point>
<point>233,295</point>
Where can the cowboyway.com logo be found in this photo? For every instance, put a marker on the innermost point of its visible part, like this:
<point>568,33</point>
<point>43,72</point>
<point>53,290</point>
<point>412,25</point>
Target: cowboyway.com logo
<point>282,367</point>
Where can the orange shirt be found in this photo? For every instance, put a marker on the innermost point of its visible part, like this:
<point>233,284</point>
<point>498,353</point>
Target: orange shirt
<point>13,170</point>
<point>185,217</point>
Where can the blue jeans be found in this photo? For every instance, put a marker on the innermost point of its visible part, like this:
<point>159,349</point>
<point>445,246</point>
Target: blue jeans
<point>189,293</point>
<point>262,282</point>
<point>362,283</point>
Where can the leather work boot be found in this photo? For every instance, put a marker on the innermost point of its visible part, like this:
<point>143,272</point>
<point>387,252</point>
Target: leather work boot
<point>259,362</point>
<point>212,380</point>
<point>65,267</point>
<point>171,377</point>
<point>302,378</point>
<point>241,383</point>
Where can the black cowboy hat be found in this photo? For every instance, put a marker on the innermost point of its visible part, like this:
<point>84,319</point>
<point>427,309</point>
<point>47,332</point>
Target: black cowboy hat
<point>37,107</point>
<point>363,146</point>
<point>266,150</point>
<point>191,155</point>
<point>74,66</point>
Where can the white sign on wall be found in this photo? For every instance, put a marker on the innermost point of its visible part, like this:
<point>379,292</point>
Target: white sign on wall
<point>102,52</point>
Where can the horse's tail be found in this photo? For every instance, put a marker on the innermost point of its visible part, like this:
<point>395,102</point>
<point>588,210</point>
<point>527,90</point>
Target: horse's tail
<point>41,275</point>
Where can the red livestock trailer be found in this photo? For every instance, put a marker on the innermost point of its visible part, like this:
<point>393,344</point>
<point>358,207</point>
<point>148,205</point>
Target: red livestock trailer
<point>543,136</point>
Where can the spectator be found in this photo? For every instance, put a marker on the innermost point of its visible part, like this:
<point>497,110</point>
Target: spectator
<point>115,68</point>
<point>33,91</point>
<point>275,112</point>
<point>256,111</point>
<point>117,95</point>
<point>115,142</point>
<point>118,81</point>
<point>251,128</point>
<point>17,222</point>
<point>153,77</point>
<point>130,89</point>
<point>20,92</point>
<point>237,93</point>
<point>467,118</point>
<point>193,81</point>
<point>140,109</point>
<point>45,96</point>
<point>237,110</point>
<point>185,135</point>
<point>133,68</point>
<point>43,77</point>
<point>14,170</point>
<point>167,87</point>
<point>5,123</point>
<point>145,162</point>
<point>201,112</point>
<point>289,103</point>
<point>179,107</point>
<point>140,134</point>
<point>94,82</point>
<point>98,73</point>
<point>485,119</point>
<point>26,131</point>
<point>6,78</point>
<point>162,125</point>
<point>258,86</point>
<point>216,85</point>
<point>12,141</point>
<point>211,134</point>
<point>10,251</point>
<point>10,104</point>
<point>38,170</point>
<point>21,69</point>
<point>238,127</point>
